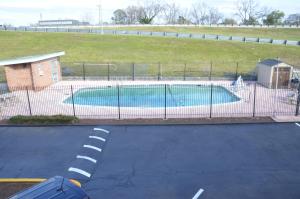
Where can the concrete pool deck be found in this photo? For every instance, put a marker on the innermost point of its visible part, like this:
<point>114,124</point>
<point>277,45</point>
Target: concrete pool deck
<point>49,101</point>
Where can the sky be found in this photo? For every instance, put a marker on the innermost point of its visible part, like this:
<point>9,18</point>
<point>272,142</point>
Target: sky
<point>26,12</point>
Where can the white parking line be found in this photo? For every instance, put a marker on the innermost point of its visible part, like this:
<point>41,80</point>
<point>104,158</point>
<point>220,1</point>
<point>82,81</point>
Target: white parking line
<point>297,124</point>
<point>86,158</point>
<point>80,171</point>
<point>92,147</point>
<point>97,138</point>
<point>99,129</point>
<point>198,194</point>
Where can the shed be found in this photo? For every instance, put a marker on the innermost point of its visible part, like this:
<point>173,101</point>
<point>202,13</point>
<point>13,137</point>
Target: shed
<point>32,72</point>
<point>267,73</point>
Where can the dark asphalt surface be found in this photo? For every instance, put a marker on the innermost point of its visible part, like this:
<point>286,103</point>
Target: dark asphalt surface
<point>38,152</point>
<point>227,161</point>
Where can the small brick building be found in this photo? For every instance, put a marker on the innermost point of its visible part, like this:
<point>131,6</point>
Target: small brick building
<point>33,72</point>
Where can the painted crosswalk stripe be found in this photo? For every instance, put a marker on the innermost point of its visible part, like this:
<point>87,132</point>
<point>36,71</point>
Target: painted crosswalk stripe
<point>297,124</point>
<point>80,171</point>
<point>86,158</point>
<point>92,147</point>
<point>99,129</point>
<point>198,194</point>
<point>97,138</point>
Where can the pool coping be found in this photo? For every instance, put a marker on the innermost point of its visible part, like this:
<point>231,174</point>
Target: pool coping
<point>227,88</point>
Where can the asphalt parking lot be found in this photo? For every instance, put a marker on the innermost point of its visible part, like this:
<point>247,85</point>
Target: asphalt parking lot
<point>178,161</point>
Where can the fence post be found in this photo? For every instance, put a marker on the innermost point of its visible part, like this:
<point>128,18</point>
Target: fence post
<point>72,93</point>
<point>119,108</point>
<point>83,70</point>
<point>165,117</point>
<point>158,72</point>
<point>298,101</point>
<point>236,70</point>
<point>133,72</point>
<point>184,72</point>
<point>108,72</point>
<point>276,88</point>
<point>28,100</point>
<point>210,70</point>
<point>254,100</point>
<point>211,100</point>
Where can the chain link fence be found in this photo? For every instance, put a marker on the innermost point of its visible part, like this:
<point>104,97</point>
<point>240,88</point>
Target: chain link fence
<point>159,71</point>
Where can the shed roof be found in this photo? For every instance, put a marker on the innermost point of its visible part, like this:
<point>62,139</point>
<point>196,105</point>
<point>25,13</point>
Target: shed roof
<point>271,62</point>
<point>30,59</point>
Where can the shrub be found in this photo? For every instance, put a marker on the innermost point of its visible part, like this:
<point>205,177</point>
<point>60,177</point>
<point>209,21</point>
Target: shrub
<point>42,119</point>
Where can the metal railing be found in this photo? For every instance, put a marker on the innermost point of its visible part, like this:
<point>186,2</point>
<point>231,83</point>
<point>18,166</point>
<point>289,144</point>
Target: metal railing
<point>200,25</point>
<point>158,34</point>
<point>113,100</point>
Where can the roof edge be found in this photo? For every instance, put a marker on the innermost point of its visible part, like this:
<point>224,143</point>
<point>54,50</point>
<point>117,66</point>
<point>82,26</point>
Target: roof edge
<point>30,59</point>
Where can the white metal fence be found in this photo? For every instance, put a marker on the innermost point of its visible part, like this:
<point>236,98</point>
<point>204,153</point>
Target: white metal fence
<point>156,34</point>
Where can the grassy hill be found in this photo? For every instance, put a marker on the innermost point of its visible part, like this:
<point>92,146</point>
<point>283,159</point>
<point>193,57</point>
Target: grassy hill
<point>172,53</point>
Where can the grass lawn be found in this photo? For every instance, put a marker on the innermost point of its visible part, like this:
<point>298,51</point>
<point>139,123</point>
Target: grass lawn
<point>171,52</point>
<point>275,33</point>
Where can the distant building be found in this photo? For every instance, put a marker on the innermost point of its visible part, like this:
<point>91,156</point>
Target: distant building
<point>293,19</point>
<point>32,72</point>
<point>67,22</point>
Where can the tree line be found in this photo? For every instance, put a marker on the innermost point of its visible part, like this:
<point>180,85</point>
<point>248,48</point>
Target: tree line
<point>247,12</point>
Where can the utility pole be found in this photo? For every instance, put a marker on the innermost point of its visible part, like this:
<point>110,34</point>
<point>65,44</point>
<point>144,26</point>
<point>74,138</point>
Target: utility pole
<point>100,16</point>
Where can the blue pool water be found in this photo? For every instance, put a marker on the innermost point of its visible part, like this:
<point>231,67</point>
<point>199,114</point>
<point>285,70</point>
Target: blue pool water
<point>153,96</point>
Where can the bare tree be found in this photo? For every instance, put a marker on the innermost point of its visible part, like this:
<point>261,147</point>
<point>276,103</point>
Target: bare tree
<point>199,13</point>
<point>263,13</point>
<point>214,16</point>
<point>171,13</point>
<point>134,13</point>
<point>149,10</point>
<point>247,11</point>
<point>184,17</point>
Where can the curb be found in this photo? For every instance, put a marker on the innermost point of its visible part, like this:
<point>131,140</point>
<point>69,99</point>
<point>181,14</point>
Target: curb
<point>158,122</point>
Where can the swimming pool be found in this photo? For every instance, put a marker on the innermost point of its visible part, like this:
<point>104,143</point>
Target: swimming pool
<point>152,96</point>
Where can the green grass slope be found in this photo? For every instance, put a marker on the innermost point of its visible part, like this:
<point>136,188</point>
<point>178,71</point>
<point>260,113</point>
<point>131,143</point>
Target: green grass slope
<point>172,53</point>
